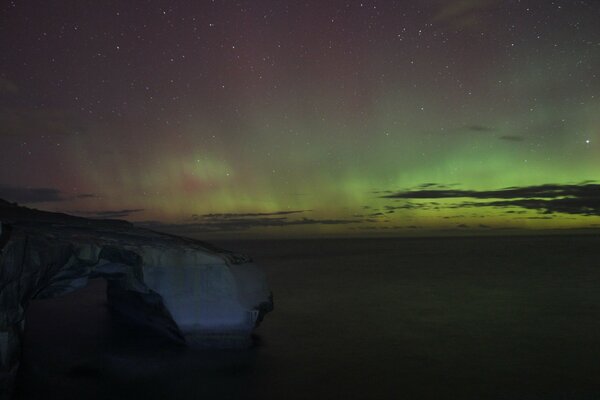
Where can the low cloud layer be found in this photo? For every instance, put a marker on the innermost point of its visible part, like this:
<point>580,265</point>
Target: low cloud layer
<point>511,138</point>
<point>26,195</point>
<point>32,195</point>
<point>245,215</point>
<point>579,199</point>
<point>113,214</point>
<point>229,223</point>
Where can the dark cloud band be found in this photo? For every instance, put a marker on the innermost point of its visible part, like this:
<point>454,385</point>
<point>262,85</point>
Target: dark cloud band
<point>30,195</point>
<point>228,224</point>
<point>580,199</point>
<point>246,215</point>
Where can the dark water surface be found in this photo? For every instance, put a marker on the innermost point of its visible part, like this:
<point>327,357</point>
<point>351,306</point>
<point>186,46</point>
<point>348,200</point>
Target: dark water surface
<point>453,318</point>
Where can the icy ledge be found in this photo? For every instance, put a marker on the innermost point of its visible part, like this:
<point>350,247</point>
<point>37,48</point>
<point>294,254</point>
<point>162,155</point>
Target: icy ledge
<point>188,290</point>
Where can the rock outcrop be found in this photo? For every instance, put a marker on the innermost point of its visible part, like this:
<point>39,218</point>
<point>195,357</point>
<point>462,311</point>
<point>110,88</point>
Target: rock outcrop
<point>189,290</point>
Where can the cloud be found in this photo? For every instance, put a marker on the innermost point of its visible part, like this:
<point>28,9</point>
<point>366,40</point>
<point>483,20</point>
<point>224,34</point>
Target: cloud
<point>511,138</point>
<point>86,196</point>
<point>22,194</point>
<point>587,206</point>
<point>579,199</point>
<point>112,214</point>
<point>437,185</point>
<point>462,129</point>
<point>539,191</point>
<point>453,216</point>
<point>245,215</point>
<point>378,228</point>
<point>26,194</point>
<point>233,224</point>
<point>411,206</point>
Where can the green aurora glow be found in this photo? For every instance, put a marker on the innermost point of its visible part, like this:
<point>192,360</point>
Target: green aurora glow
<point>304,116</point>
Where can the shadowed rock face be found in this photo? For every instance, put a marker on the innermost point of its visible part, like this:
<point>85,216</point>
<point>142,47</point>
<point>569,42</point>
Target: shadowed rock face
<point>189,290</point>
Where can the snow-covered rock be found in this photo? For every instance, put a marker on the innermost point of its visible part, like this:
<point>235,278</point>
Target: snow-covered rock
<point>189,290</point>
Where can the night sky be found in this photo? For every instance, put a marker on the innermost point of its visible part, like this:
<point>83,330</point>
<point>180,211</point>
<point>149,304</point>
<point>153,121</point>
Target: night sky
<point>305,117</point>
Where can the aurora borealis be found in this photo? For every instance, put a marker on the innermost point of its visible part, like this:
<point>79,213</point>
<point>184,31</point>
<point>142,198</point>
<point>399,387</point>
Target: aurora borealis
<point>304,118</point>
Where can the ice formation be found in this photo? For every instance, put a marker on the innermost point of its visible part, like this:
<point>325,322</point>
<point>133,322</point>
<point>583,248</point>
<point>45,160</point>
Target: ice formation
<point>189,290</point>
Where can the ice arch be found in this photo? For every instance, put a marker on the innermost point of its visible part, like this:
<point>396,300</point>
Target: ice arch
<point>189,290</point>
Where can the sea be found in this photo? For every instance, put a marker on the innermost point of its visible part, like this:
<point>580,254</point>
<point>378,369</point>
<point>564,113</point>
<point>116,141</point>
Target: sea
<point>395,318</point>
